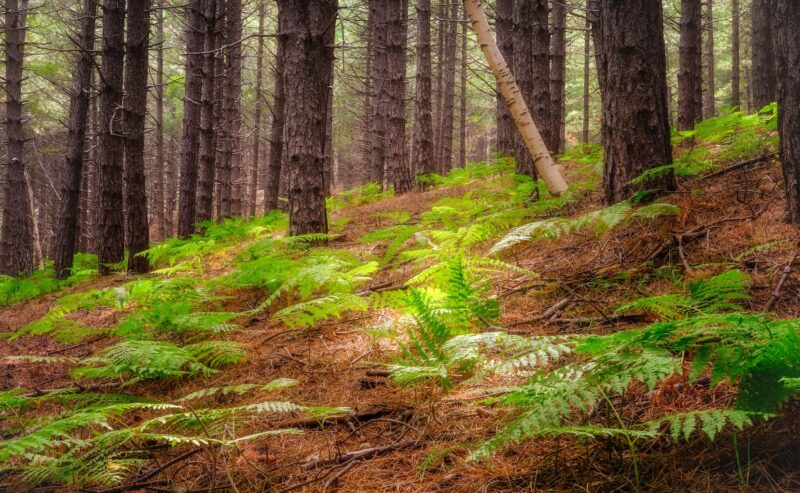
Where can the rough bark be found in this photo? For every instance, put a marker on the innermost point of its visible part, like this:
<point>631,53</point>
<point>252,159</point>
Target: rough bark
<point>137,48</point>
<point>423,162</point>
<point>273,178</point>
<point>67,226</point>
<point>230,175</point>
<point>504,25</point>
<point>255,171</point>
<point>306,25</point>
<point>462,124</point>
<point>171,198</point>
<point>543,162</point>
<point>763,63</point>
<point>207,135</point>
<point>558,67</point>
<point>187,213</point>
<point>397,161</point>
<point>158,167</point>
<point>111,234</point>
<point>380,88</point>
<point>690,72</point>
<point>446,127</point>
<point>786,45</point>
<point>587,63</point>
<point>16,237</point>
<point>709,101</point>
<point>736,101</point>
<point>629,42</point>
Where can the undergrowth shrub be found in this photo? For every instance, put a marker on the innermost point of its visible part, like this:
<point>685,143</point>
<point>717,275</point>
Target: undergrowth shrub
<point>43,281</point>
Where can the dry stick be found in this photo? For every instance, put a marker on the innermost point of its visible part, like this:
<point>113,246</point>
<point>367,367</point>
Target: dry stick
<point>365,453</point>
<point>338,475</point>
<point>787,271</point>
<point>543,161</point>
<point>739,165</point>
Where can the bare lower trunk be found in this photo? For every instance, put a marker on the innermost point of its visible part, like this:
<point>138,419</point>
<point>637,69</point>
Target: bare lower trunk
<point>506,133</point>
<point>736,101</point>
<point>158,168</point>
<point>397,164</point>
<point>423,163</point>
<point>558,67</point>
<point>256,171</point>
<point>763,66</point>
<point>690,74</point>
<point>446,124</point>
<point>276,142</point>
<point>587,62</point>
<point>462,124</point>
<point>380,87</point>
<point>709,103</point>
<point>207,136</point>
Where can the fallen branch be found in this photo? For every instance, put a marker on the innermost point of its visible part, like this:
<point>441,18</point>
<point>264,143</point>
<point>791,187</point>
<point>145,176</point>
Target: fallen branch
<point>359,417</point>
<point>739,165</point>
<point>366,453</point>
<point>776,294</point>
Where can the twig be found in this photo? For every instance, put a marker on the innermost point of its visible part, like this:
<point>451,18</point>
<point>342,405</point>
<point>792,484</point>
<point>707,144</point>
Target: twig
<point>739,165</point>
<point>338,475</point>
<point>365,453</point>
<point>787,271</point>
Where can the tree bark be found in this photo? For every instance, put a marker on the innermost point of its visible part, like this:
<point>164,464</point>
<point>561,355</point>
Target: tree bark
<point>136,66</point>
<point>380,88</point>
<point>273,179</point>
<point>445,158</point>
<point>629,42</point>
<point>786,45</point>
<point>67,227</point>
<point>545,167</point>
<point>16,237</point>
<point>587,63</point>
<point>256,171</point>
<point>423,110</point>
<point>208,98</point>
<point>397,164</point>
<point>763,65</point>
<point>709,104</point>
<point>306,25</point>
<point>229,198</point>
<point>111,231</point>
<point>462,126</point>
<point>558,67</point>
<point>187,214</point>
<point>690,73</point>
<point>736,101</point>
<point>504,24</point>
<point>158,168</point>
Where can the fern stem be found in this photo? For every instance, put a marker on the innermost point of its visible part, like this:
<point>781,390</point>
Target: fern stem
<point>628,438</point>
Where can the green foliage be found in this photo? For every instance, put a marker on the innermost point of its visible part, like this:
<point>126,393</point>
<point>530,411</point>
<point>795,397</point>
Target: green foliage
<point>469,174</point>
<point>365,194</point>
<point>43,281</point>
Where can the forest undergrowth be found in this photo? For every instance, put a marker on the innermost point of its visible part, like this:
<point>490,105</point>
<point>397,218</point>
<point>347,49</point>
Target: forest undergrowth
<point>461,338</point>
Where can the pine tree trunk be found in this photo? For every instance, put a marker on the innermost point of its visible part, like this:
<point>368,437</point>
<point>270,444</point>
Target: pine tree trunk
<point>158,168</point>
<point>506,133</point>
<point>446,126</point>
<point>441,35</point>
<point>786,45</point>
<point>187,213</point>
<point>368,109</point>
<point>423,162</point>
<point>587,63</point>
<point>709,105</point>
<point>462,127</point>
<point>171,198</point>
<point>276,142</point>
<point>380,88</point>
<point>629,42</point>
<point>230,175</point>
<point>306,25</point>
<point>763,66</point>
<point>327,173</point>
<point>67,226</point>
<point>255,171</point>
<point>736,101</point>
<point>558,67</point>
<point>110,224</point>
<point>690,73</point>
<point>16,237</point>
<point>397,164</point>
<point>136,65</point>
<point>207,135</point>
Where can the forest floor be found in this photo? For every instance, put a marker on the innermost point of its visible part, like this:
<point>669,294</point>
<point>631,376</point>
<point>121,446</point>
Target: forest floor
<point>416,439</point>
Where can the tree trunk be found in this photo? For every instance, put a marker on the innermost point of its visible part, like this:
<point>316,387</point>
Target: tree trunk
<point>763,66</point>
<point>448,91</point>
<point>736,101</point>
<point>135,112</point>
<point>545,167</point>
<point>273,179</point>
<point>397,164</point>
<point>629,41</point>
<point>327,173</point>
<point>690,73</point>
<point>16,237</point>
<point>172,188</point>
<point>558,67</point>
<point>380,88</point>
<point>67,226</point>
<point>207,135</point>
<point>158,168</point>
<point>306,25</point>
<point>110,224</point>
<point>786,45</point>
<point>709,105</point>
<point>368,109</point>
<point>587,63</point>
<point>423,110</point>
<point>462,127</point>
<point>187,214</point>
<point>506,133</point>
<point>230,158</point>
<point>256,172</point>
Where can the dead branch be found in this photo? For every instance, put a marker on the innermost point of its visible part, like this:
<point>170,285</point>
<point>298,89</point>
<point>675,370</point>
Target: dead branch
<point>776,294</point>
<point>366,453</point>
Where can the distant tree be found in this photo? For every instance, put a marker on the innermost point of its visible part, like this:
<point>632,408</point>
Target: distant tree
<point>558,61</point>
<point>306,25</point>
<point>690,73</point>
<point>67,225</point>
<point>16,237</point>
<point>229,200</point>
<point>423,162</point>
<point>256,171</point>
<point>397,163</point>
<point>587,63</point>
<point>736,101</point>
<point>462,124</point>
<point>763,63</point>
<point>379,64</point>
<point>111,231</point>
<point>633,86</point>
<point>159,190</point>
<point>445,152</point>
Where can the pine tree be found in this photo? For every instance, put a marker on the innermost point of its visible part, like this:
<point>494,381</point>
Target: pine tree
<point>423,163</point>
<point>690,74</point>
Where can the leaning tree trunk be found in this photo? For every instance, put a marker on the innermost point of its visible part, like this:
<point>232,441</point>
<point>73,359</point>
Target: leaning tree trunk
<point>558,67</point>
<point>629,41</point>
<point>399,173</point>
<point>207,138</point>
<point>736,101</point>
<point>690,73</point>
<point>786,45</point>
<point>504,24</point>
<point>67,226</point>
<point>16,237</point>
<point>306,25</point>
<point>276,139</point>
<point>763,64</point>
<point>110,224</point>
<point>423,163</point>
<point>545,167</point>
<point>187,206</point>
<point>135,112</point>
<point>709,104</point>
<point>256,171</point>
